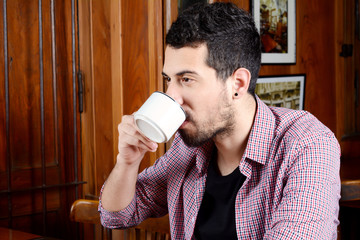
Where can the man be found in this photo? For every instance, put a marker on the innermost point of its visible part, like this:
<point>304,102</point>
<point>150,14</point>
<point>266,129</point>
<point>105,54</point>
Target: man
<point>237,169</point>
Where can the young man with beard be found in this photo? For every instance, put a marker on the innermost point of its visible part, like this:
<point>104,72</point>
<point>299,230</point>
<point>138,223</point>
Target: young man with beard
<point>237,169</point>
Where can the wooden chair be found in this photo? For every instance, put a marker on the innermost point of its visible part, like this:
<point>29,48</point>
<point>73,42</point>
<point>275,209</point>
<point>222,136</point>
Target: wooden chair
<point>350,172</point>
<point>349,207</point>
<point>350,193</point>
<point>86,211</point>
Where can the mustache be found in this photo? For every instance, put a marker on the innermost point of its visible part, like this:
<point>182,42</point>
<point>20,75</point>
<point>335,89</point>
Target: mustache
<point>188,116</point>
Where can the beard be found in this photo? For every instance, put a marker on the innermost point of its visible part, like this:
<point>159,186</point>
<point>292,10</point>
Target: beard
<point>221,122</point>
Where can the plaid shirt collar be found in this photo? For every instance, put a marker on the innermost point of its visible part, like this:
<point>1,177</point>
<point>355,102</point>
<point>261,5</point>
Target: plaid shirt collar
<point>261,135</point>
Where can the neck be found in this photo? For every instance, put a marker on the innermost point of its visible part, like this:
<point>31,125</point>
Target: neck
<point>231,147</point>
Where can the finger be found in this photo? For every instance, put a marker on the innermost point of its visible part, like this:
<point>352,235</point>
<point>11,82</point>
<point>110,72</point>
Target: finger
<point>154,144</point>
<point>137,139</point>
<point>134,132</point>
<point>127,118</point>
<point>128,123</point>
<point>136,142</point>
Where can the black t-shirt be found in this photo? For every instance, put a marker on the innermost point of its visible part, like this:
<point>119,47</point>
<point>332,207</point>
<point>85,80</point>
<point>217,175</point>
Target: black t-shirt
<point>216,217</point>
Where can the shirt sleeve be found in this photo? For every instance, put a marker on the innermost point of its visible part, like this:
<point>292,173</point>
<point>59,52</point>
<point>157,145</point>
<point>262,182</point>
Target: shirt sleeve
<point>150,199</point>
<point>310,204</point>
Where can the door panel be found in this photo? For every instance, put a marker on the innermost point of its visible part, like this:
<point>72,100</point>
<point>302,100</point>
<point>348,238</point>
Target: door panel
<point>39,121</point>
<point>351,73</point>
<point>350,126</point>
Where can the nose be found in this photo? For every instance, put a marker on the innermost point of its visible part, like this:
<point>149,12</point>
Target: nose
<point>174,92</point>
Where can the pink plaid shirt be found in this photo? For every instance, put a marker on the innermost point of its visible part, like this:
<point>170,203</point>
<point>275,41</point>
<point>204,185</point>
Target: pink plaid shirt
<point>291,191</point>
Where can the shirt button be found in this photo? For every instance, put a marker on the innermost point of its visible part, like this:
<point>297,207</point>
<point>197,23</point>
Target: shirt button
<point>192,219</point>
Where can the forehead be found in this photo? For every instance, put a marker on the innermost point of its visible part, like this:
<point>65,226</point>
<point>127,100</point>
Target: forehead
<point>189,58</point>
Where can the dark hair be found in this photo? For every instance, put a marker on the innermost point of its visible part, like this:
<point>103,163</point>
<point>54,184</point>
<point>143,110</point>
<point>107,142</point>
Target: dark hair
<point>229,32</point>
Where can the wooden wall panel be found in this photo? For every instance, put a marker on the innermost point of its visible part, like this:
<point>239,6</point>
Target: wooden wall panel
<point>116,71</point>
<point>95,64</point>
<point>315,57</point>
<point>102,88</point>
<point>2,100</point>
<point>141,46</point>
<point>351,69</point>
<point>121,59</point>
<point>156,52</point>
<point>135,57</point>
<point>240,3</point>
<point>88,115</point>
<point>339,67</point>
<point>135,54</point>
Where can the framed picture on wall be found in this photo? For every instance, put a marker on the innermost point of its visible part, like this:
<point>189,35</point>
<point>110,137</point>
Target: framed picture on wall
<point>276,21</point>
<point>282,91</point>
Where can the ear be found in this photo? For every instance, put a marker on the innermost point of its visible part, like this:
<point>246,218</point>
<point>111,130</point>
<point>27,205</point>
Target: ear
<point>241,81</point>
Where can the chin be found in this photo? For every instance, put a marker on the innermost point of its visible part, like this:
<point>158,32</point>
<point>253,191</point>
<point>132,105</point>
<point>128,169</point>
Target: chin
<point>192,140</point>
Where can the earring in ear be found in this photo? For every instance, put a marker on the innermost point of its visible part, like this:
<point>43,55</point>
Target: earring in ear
<point>236,94</point>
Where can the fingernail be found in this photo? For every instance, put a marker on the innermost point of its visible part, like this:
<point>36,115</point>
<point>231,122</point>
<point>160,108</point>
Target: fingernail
<point>154,146</point>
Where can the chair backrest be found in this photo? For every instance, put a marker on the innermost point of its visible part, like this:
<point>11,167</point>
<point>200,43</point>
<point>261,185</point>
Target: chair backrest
<point>350,193</point>
<point>86,211</point>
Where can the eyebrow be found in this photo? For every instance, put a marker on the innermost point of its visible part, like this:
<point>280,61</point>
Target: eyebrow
<point>181,73</point>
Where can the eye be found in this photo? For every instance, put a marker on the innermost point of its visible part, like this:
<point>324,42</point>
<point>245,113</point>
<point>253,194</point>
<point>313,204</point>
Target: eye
<point>166,79</point>
<point>186,80</point>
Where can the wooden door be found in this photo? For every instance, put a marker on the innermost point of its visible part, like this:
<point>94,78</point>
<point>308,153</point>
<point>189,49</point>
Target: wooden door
<point>350,100</point>
<point>39,118</point>
<point>351,54</point>
<point>349,90</point>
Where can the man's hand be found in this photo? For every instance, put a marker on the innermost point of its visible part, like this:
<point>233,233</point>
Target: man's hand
<point>119,189</point>
<point>132,144</point>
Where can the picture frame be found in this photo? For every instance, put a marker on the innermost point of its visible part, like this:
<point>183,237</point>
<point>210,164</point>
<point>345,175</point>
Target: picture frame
<point>276,21</point>
<point>282,91</point>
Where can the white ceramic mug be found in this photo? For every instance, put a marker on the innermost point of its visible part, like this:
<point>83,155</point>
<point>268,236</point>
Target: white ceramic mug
<point>159,117</point>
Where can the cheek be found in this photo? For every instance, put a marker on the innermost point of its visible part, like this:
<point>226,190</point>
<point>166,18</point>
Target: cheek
<point>205,108</point>
<point>203,101</point>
